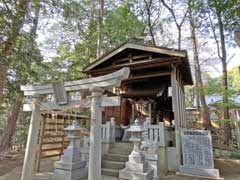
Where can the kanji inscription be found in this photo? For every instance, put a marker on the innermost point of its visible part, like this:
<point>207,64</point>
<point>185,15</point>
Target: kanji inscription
<point>197,148</point>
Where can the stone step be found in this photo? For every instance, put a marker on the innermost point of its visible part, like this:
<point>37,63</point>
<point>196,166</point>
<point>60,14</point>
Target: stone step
<point>118,165</point>
<point>124,151</point>
<point>115,157</point>
<point>122,145</point>
<point>110,172</point>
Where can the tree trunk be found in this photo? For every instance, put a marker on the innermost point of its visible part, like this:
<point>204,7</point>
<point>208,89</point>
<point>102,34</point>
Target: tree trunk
<point>198,77</point>
<point>11,126</point>
<point>179,37</point>
<point>100,29</point>
<point>223,57</point>
<point>237,37</point>
<point>152,35</point>
<point>226,116</point>
<point>3,76</point>
<point>149,24</point>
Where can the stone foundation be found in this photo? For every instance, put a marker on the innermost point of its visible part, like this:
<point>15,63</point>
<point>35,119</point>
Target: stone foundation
<point>209,173</point>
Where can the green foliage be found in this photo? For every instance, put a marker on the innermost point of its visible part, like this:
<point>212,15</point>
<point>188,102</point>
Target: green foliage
<point>21,132</point>
<point>234,79</point>
<point>25,66</point>
<point>221,122</point>
<point>230,12</point>
<point>211,85</point>
<point>120,26</point>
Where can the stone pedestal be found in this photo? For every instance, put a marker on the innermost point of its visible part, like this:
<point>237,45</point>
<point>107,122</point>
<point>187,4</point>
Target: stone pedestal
<point>157,160</point>
<point>136,168</point>
<point>84,148</point>
<point>71,166</point>
<point>153,163</point>
<point>152,158</point>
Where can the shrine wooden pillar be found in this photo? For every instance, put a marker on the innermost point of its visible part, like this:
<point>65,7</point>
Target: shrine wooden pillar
<point>124,117</point>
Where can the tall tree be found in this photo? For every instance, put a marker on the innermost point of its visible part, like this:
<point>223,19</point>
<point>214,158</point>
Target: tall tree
<point>12,19</point>
<point>100,29</point>
<point>149,4</point>
<point>217,9</point>
<point>198,77</point>
<point>20,79</point>
<point>149,13</point>
<point>219,19</point>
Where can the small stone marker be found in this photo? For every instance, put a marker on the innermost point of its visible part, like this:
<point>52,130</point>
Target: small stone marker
<point>198,154</point>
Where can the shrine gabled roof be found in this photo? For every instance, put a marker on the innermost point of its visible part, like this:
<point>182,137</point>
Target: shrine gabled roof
<point>141,47</point>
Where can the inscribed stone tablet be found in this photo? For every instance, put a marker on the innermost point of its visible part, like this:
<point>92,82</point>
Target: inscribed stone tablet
<point>197,148</point>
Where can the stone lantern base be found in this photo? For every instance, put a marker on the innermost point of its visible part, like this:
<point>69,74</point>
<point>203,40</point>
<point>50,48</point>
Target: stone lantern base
<point>136,171</point>
<point>70,171</point>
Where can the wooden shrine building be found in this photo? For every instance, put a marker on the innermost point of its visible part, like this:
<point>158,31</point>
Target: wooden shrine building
<point>157,79</point>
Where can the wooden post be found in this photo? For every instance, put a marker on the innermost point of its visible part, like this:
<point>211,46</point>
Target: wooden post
<point>40,144</point>
<point>30,153</point>
<point>63,137</point>
<point>175,104</point>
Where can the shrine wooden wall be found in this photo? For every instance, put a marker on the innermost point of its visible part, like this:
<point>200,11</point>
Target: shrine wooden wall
<point>121,114</point>
<point>178,98</point>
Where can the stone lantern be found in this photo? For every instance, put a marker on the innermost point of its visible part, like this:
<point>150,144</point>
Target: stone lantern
<point>136,167</point>
<point>71,166</point>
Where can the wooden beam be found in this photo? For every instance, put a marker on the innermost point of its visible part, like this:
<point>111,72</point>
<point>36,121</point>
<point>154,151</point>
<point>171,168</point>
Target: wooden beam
<point>137,65</point>
<point>149,76</point>
<point>84,103</point>
<point>130,58</point>
<point>132,93</point>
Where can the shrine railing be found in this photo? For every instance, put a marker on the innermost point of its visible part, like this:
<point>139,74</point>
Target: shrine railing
<point>156,134</point>
<point>108,131</point>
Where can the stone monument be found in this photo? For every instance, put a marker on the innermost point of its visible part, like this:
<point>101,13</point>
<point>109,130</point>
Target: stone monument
<point>71,166</point>
<point>198,154</point>
<point>136,168</point>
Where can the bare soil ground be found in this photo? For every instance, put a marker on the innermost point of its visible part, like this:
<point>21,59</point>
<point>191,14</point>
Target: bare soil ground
<point>10,169</point>
<point>10,161</point>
